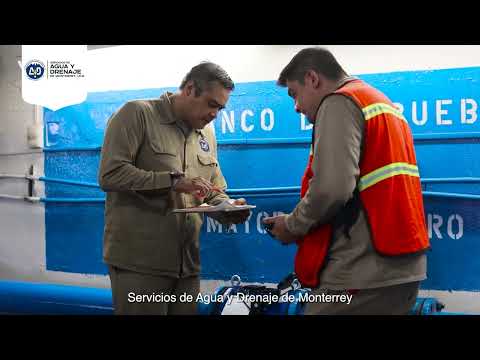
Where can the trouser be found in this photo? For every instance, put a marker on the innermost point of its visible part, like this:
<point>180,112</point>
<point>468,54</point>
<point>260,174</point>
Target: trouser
<point>389,300</point>
<point>135,293</point>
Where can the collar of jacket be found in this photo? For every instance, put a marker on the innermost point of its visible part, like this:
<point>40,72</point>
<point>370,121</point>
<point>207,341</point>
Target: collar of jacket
<point>166,105</point>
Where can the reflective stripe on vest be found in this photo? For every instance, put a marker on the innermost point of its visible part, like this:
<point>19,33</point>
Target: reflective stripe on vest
<point>376,109</point>
<point>385,172</point>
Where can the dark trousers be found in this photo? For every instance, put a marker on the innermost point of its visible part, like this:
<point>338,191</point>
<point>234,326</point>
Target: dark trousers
<point>137,293</point>
<point>389,300</point>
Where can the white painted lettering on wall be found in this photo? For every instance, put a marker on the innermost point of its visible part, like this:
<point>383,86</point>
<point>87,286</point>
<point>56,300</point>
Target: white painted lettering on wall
<point>247,224</point>
<point>243,120</point>
<point>440,105</point>
<point>261,215</point>
<point>443,112</point>
<point>267,120</point>
<point>267,126</point>
<point>420,113</point>
<point>228,119</point>
<point>471,112</point>
<point>249,120</point>
<point>215,226</point>
<point>453,227</point>
<point>423,118</point>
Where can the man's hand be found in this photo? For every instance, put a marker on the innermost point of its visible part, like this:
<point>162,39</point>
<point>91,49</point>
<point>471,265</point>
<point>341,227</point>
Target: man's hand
<point>198,186</point>
<point>280,230</point>
<point>238,217</point>
<point>232,217</point>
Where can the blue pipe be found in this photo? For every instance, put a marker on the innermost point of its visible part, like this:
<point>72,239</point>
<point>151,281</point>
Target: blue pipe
<point>252,194</point>
<point>101,200</point>
<point>451,195</point>
<point>270,191</point>
<point>430,306</point>
<point>272,195</point>
<point>450,180</point>
<point>80,148</point>
<point>245,141</point>
<point>68,182</point>
<point>304,140</point>
<point>271,141</point>
<point>444,313</point>
<point>426,306</point>
<point>17,297</point>
<point>72,200</point>
<point>447,136</point>
<point>267,190</point>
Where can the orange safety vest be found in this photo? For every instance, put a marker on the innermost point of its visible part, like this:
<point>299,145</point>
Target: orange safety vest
<point>389,187</point>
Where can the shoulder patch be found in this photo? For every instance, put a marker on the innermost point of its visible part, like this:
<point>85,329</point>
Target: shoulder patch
<point>204,144</point>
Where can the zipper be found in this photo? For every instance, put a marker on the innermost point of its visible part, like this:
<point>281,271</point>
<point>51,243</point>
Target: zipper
<point>185,218</point>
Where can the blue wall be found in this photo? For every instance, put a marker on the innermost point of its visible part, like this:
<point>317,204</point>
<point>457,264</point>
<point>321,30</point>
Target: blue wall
<point>271,147</point>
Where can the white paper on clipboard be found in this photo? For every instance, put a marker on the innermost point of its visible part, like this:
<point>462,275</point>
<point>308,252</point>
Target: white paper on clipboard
<point>226,205</point>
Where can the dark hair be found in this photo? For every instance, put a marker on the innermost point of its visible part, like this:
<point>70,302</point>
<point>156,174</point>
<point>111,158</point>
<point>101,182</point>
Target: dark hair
<point>204,74</point>
<point>317,59</point>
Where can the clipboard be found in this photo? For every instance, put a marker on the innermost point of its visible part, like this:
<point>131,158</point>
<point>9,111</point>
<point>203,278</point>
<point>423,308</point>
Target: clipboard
<point>226,206</point>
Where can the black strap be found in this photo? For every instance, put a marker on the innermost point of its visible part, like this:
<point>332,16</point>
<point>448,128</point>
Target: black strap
<point>350,212</point>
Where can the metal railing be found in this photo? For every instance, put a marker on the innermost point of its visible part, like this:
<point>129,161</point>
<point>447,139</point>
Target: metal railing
<point>250,192</point>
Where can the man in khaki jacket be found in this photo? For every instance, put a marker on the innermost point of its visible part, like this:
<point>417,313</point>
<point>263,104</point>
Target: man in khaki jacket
<point>158,155</point>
